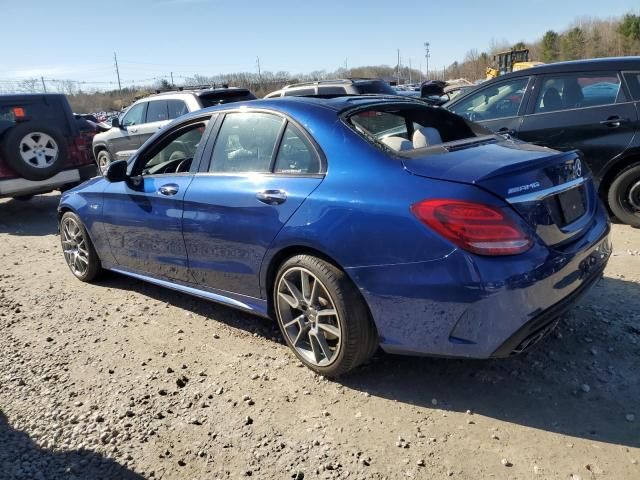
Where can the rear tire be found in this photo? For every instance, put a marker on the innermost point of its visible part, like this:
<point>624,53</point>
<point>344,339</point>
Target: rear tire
<point>78,250</point>
<point>323,319</point>
<point>624,196</point>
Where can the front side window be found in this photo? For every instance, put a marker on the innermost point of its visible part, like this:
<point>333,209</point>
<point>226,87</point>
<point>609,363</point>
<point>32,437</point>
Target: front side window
<point>157,111</point>
<point>296,156</point>
<point>565,92</point>
<point>493,102</point>
<point>177,153</point>
<point>135,115</point>
<point>246,143</point>
<point>177,108</point>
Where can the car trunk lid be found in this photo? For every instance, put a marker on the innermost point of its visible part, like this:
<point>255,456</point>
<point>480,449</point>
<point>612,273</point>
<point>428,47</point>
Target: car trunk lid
<point>552,191</point>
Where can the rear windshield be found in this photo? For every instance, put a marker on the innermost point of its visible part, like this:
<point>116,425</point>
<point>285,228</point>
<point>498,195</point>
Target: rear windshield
<point>374,87</point>
<point>406,128</point>
<point>219,98</point>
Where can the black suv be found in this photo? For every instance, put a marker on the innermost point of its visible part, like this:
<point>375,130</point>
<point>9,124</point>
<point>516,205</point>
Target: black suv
<point>43,146</point>
<point>589,105</point>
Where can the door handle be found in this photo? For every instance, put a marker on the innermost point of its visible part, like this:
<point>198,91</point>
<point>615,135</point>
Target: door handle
<point>169,189</point>
<point>507,131</point>
<point>272,197</point>
<point>614,122</point>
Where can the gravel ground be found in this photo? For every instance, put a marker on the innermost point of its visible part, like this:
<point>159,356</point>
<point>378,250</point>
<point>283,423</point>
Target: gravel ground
<point>125,380</point>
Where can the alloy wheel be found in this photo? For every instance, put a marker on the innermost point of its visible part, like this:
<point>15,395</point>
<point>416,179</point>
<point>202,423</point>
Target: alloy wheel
<point>309,316</point>
<point>103,162</point>
<point>74,247</point>
<point>39,150</point>
<point>634,197</point>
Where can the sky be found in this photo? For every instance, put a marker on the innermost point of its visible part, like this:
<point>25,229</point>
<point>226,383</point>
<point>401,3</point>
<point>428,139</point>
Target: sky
<point>69,39</point>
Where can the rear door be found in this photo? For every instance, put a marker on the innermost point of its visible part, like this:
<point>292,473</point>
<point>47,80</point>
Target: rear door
<point>496,106</point>
<point>256,175</point>
<point>589,112</point>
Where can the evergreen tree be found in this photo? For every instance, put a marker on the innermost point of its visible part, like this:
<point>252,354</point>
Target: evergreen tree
<point>550,47</point>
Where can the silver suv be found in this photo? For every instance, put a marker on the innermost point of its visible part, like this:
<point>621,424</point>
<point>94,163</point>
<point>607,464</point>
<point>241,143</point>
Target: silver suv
<point>148,115</point>
<point>333,88</point>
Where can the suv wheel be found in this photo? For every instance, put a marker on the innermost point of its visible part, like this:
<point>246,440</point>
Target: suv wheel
<point>624,196</point>
<point>322,316</point>
<point>104,159</point>
<point>35,152</point>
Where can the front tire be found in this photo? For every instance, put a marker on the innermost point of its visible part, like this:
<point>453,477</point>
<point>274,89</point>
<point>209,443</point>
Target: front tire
<point>624,196</point>
<point>79,253</point>
<point>104,159</point>
<point>322,316</point>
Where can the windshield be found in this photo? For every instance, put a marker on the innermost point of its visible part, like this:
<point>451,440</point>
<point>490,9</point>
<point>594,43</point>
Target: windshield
<point>374,87</point>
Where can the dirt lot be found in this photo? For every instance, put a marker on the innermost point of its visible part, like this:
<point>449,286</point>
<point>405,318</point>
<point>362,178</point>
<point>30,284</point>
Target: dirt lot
<point>122,379</point>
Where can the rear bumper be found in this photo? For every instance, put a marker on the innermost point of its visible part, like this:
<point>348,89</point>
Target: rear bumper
<point>467,306</point>
<point>13,187</point>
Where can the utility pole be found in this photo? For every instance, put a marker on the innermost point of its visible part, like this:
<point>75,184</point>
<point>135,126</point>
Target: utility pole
<point>172,84</point>
<point>410,82</point>
<point>259,71</point>
<point>398,70</point>
<point>44,86</point>
<point>115,59</point>
<point>427,55</point>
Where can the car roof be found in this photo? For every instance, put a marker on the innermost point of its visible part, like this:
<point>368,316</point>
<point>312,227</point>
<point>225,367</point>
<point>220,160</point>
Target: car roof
<point>204,92</point>
<point>594,64</point>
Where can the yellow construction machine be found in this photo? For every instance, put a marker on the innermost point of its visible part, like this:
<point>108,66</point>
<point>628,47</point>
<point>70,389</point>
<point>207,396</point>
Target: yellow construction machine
<point>510,61</point>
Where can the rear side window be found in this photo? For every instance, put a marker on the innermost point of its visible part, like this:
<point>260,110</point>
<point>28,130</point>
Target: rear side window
<point>246,143</point>
<point>177,108</point>
<point>493,101</point>
<point>328,90</point>
<point>296,156</point>
<point>298,92</point>
<point>229,96</point>
<point>157,111</point>
<point>633,82</point>
<point>565,92</point>
<point>374,87</point>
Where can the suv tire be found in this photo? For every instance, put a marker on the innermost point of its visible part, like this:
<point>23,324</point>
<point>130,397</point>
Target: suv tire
<point>624,196</point>
<point>34,151</point>
<point>104,159</point>
<point>323,316</point>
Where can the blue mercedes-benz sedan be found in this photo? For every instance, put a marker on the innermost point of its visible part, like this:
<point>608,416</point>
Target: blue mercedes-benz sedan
<point>356,222</point>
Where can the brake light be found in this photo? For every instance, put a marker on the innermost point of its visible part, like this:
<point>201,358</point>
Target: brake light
<point>475,227</point>
<point>18,113</point>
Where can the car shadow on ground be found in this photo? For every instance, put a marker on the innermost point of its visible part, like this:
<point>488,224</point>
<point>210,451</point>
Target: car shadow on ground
<point>22,458</point>
<point>37,216</point>
<point>541,389</point>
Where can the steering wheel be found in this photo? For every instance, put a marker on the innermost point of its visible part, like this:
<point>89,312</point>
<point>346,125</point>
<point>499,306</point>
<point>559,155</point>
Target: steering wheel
<point>186,163</point>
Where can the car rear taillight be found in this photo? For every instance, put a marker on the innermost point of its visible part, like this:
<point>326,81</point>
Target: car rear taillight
<point>475,227</point>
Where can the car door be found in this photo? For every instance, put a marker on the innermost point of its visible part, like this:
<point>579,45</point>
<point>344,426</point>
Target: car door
<point>124,139</point>
<point>157,117</point>
<point>587,111</point>
<point>497,106</point>
<point>143,216</point>
<point>259,171</point>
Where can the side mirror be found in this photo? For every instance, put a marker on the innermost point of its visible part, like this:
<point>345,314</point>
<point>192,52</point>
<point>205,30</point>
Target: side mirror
<point>116,171</point>
<point>115,122</point>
